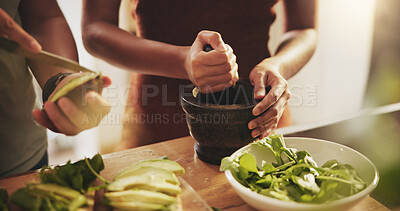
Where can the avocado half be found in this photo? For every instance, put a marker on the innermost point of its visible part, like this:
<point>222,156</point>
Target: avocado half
<point>76,88</point>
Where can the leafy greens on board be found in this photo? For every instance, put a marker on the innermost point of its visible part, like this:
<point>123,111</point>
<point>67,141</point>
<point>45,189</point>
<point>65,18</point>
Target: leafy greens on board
<point>295,176</point>
<point>76,175</point>
<point>61,187</point>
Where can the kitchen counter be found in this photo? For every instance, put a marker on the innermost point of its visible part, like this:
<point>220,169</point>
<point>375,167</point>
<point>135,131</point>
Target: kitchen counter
<point>205,179</point>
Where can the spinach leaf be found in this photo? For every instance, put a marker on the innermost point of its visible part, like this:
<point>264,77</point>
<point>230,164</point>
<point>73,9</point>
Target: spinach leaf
<point>248,162</point>
<point>76,175</point>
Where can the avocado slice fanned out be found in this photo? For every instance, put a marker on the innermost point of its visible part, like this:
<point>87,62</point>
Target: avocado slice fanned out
<point>145,182</point>
<point>76,88</point>
<point>147,185</point>
<point>144,196</point>
<point>156,163</point>
<point>169,176</point>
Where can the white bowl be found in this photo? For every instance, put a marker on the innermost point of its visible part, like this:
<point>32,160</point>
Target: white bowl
<point>321,151</point>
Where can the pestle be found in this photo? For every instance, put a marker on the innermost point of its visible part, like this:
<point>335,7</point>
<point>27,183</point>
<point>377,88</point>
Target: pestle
<point>224,97</point>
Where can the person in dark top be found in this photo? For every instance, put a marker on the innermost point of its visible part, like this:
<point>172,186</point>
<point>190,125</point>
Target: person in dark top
<point>163,56</point>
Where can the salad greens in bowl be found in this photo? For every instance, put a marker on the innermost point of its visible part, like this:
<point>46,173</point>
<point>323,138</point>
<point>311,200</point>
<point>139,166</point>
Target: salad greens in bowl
<point>300,174</point>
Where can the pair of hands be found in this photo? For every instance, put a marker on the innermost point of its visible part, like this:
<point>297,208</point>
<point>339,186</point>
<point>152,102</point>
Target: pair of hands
<point>63,116</point>
<point>216,70</point>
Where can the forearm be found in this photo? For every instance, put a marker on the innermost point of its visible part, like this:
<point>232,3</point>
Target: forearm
<point>295,50</point>
<point>53,33</point>
<point>122,49</point>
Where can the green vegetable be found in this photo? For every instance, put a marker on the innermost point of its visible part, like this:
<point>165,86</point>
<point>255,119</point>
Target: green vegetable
<point>295,176</point>
<point>61,186</point>
<point>169,176</point>
<point>142,196</point>
<point>145,182</point>
<point>74,88</point>
<point>162,163</point>
<point>76,175</point>
<point>3,199</point>
<point>48,197</point>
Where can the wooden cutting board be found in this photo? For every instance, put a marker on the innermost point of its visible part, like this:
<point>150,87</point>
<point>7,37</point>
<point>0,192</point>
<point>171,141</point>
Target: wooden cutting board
<point>190,199</point>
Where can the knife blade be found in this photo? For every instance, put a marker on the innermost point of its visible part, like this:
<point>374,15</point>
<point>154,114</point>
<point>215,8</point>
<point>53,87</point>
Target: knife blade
<point>43,56</point>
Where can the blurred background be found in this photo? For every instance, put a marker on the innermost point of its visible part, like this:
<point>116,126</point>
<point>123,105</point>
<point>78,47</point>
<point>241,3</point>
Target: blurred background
<point>356,67</point>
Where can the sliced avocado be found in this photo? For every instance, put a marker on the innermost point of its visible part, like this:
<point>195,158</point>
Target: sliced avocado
<point>157,163</point>
<point>145,182</point>
<point>144,196</point>
<point>169,176</point>
<point>76,88</point>
<point>136,206</point>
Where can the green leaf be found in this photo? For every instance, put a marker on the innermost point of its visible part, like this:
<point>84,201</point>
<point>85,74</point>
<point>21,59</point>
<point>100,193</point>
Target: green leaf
<point>306,181</point>
<point>23,199</point>
<point>278,195</point>
<point>77,181</point>
<point>268,168</point>
<point>286,165</point>
<point>294,192</point>
<point>327,191</point>
<point>306,198</point>
<point>243,173</point>
<point>330,164</point>
<point>226,164</point>
<point>265,182</point>
<point>76,175</point>
<point>248,162</point>
<point>305,157</point>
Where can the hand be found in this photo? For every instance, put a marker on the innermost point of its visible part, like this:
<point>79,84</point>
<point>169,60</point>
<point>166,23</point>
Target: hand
<point>211,71</point>
<point>266,75</point>
<point>65,117</point>
<point>12,30</point>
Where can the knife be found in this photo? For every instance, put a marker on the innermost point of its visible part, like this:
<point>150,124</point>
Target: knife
<point>43,56</point>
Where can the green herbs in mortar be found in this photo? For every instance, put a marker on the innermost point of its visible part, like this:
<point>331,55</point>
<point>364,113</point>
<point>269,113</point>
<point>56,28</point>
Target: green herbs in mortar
<point>294,176</point>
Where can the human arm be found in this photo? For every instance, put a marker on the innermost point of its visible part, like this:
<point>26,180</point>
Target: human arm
<point>297,47</point>
<point>12,30</point>
<point>50,28</point>
<point>102,38</point>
